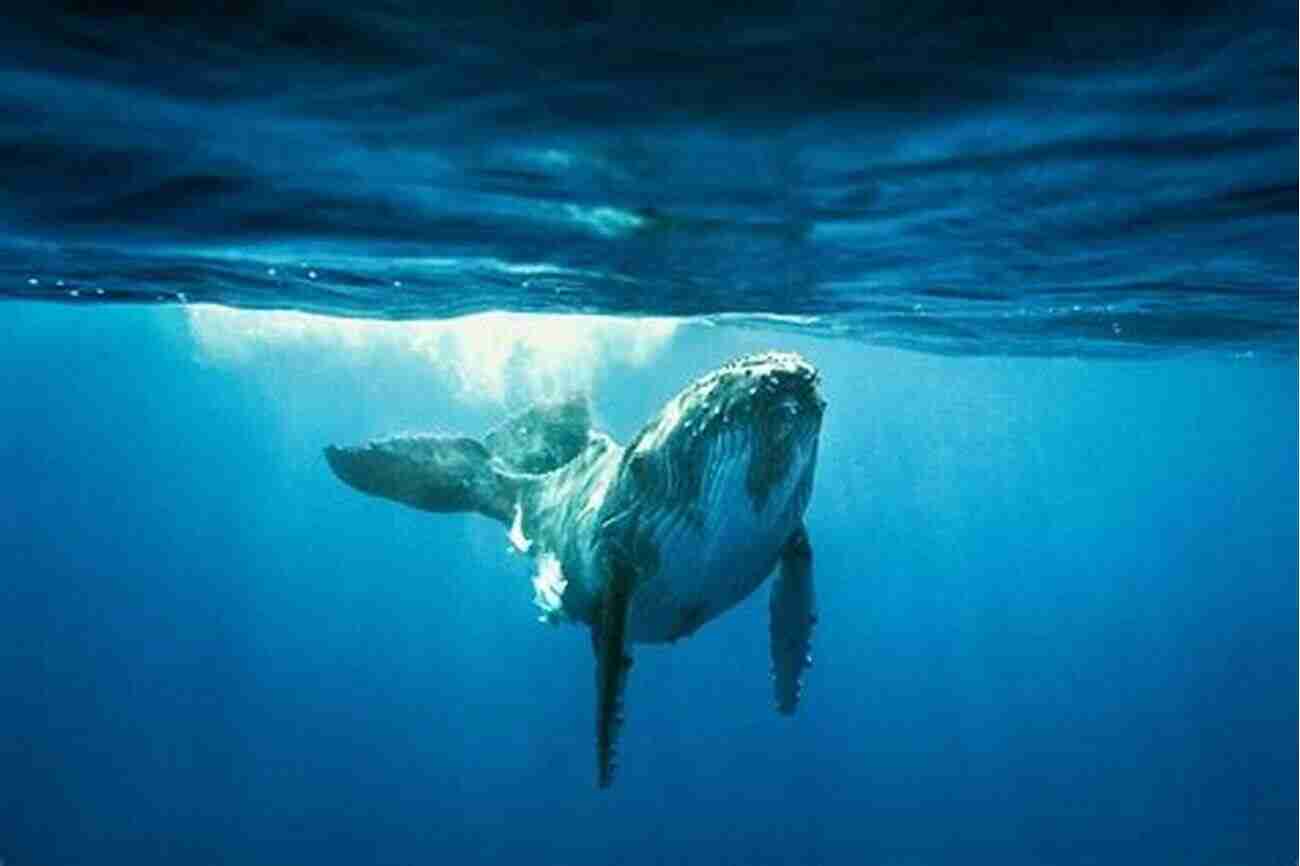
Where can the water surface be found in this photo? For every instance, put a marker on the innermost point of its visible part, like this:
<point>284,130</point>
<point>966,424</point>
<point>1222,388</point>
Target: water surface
<point>1112,179</point>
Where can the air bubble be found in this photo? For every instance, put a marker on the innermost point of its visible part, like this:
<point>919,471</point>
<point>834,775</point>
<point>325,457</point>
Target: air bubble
<point>32,281</point>
<point>311,275</point>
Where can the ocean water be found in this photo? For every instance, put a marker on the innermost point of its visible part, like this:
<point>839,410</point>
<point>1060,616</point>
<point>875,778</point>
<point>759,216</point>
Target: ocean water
<point>1045,260</point>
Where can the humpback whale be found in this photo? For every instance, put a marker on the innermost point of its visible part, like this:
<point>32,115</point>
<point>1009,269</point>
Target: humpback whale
<point>647,542</point>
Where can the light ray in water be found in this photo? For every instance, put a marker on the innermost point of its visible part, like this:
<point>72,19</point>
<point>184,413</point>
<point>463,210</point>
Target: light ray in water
<point>487,357</point>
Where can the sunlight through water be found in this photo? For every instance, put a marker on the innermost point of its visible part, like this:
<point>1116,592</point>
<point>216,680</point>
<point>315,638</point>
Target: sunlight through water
<point>489,357</point>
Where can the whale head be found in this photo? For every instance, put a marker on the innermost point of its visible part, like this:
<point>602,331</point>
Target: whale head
<point>746,432</point>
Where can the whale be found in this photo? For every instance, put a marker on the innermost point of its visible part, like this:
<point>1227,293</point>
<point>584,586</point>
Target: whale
<point>646,542</point>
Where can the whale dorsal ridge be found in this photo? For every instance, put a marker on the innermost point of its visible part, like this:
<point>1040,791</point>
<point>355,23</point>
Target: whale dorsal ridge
<point>541,438</point>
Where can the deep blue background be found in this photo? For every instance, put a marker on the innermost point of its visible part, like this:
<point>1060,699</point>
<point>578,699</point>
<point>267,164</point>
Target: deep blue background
<point>1058,622</point>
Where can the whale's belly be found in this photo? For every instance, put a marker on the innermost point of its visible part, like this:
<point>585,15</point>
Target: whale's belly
<point>709,558</point>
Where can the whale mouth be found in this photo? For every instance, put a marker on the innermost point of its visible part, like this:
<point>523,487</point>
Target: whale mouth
<point>774,394</point>
<point>773,401</point>
<point>760,413</point>
<point>763,411</point>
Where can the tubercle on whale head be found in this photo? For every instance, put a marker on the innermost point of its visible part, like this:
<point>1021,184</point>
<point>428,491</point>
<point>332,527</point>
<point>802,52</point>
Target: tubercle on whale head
<point>782,380</point>
<point>775,392</point>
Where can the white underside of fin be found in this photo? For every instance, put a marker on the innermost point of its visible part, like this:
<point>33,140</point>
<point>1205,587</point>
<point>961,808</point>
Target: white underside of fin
<point>516,535</point>
<point>548,588</point>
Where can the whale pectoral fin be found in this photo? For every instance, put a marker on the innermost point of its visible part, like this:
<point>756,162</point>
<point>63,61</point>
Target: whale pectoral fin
<point>792,619</point>
<point>429,472</point>
<point>608,639</point>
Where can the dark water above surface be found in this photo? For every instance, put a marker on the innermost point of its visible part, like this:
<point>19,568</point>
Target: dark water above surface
<point>1116,178</point>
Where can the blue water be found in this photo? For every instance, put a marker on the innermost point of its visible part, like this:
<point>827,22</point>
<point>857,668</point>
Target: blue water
<point>1046,261</point>
<point>1057,604</point>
